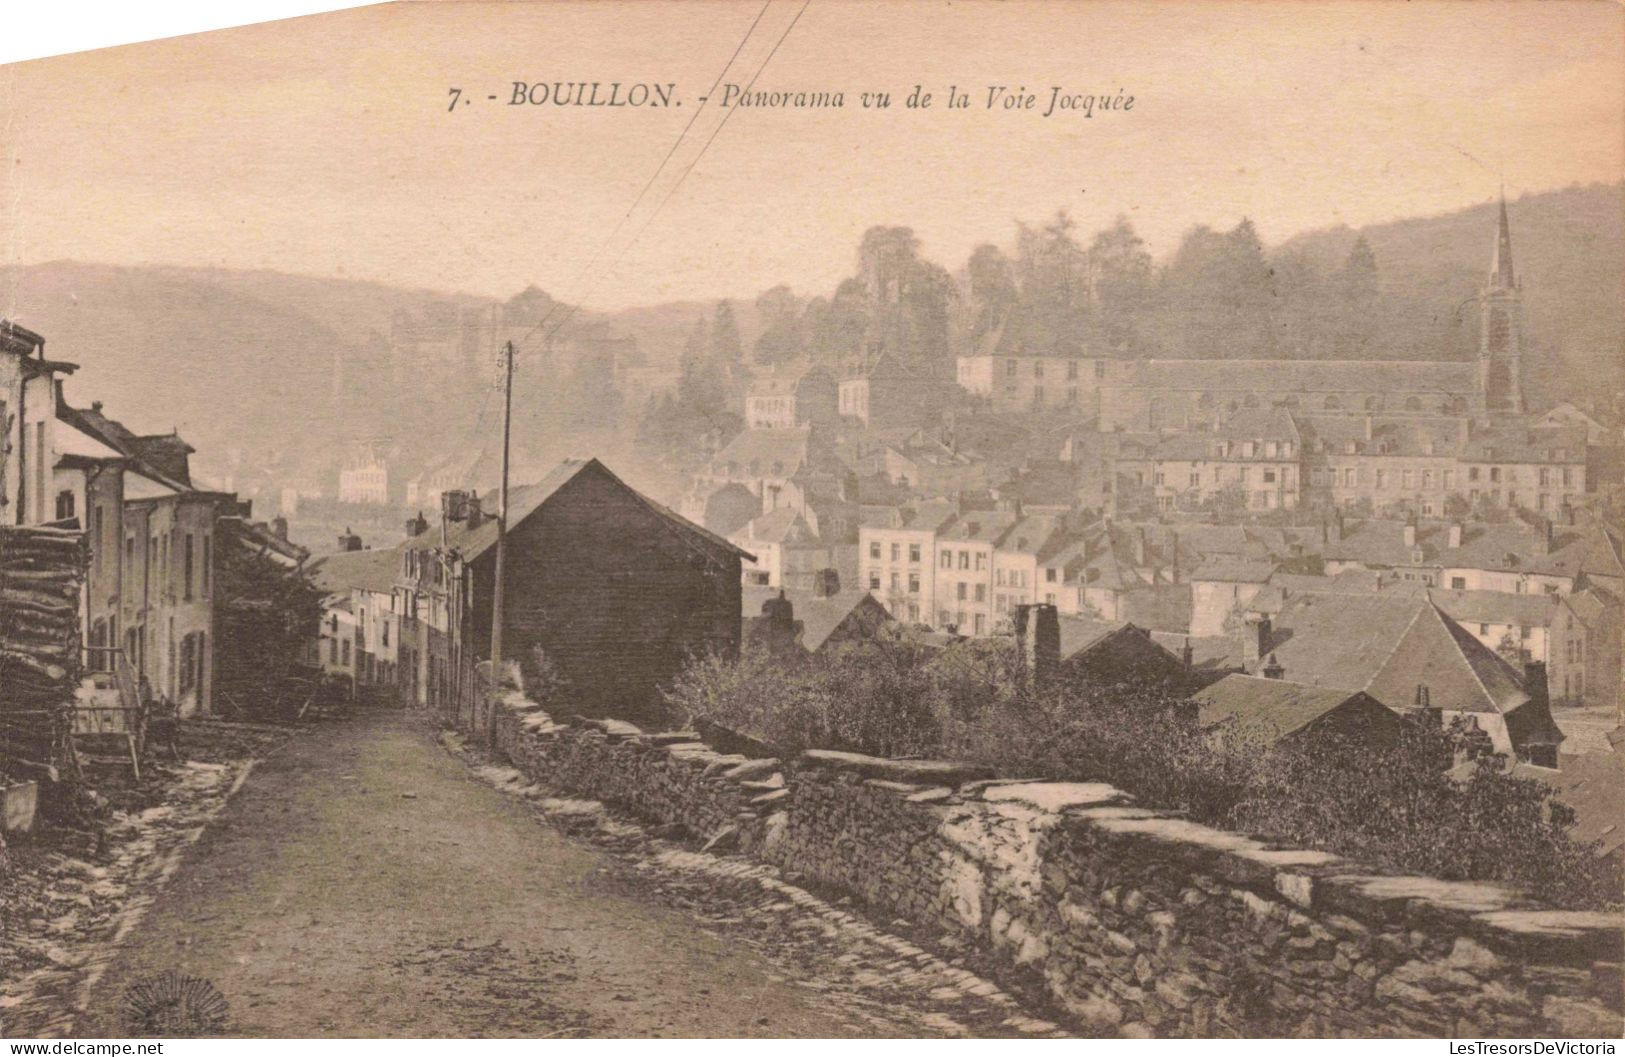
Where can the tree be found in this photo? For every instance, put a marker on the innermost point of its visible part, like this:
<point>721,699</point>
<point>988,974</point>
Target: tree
<point>781,340</point>
<point>726,348</point>
<point>1122,283</point>
<point>993,290</point>
<point>1356,307</point>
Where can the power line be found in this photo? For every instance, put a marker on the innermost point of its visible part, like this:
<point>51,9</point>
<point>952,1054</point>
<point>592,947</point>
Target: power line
<point>690,167</point>
<point>678,142</point>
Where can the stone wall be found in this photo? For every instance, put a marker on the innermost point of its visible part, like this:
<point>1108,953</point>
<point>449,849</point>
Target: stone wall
<point>1133,921</point>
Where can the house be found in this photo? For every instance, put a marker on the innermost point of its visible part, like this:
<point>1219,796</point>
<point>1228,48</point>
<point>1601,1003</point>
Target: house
<point>1116,653</point>
<point>1018,578</point>
<point>359,593</point>
<point>1279,712</point>
<point>1247,461</point>
<point>882,394</point>
<point>1009,378</point>
<point>763,461</point>
<point>790,396</point>
<point>364,479</point>
<point>28,414</point>
<point>964,570</point>
<point>160,540</point>
<point>930,468</point>
<point>897,548</point>
<point>1221,586</point>
<point>1406,653</point>
<point>788,552</point>
<point>617,591</point>
<point>810,620</point>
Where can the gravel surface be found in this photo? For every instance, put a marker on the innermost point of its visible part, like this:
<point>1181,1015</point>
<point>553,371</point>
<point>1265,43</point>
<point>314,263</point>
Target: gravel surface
<point>366,881</point>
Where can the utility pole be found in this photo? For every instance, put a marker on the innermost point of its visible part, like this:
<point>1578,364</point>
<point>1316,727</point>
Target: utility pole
<point>502,534</point>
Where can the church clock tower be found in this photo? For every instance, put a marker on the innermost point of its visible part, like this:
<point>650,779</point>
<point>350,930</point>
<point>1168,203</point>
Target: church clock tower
<point>1500,340</point>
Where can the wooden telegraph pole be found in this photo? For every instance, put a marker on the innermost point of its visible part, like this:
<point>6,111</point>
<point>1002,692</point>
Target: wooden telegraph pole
<point>502,533</point>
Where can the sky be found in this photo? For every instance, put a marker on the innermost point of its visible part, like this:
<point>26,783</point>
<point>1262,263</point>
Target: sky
<point>324,146</point>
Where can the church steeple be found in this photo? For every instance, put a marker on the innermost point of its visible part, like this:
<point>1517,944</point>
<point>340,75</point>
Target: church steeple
<point>1500,339</point>
<point>1501,275</point>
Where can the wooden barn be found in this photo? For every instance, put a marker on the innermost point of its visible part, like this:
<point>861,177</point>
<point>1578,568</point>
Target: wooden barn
<point>616,590</point>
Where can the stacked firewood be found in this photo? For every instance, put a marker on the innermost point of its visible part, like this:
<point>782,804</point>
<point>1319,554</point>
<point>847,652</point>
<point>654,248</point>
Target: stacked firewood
<point>42,575</point>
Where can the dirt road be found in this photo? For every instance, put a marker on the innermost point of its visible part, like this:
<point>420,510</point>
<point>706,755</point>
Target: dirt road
<point>366,882</point>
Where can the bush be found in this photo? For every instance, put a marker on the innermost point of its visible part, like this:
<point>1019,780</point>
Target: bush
<point>1400,808</point>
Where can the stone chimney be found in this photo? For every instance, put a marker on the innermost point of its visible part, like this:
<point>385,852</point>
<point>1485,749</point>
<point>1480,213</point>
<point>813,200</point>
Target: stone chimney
<point>476,514</point>
<point>1038,641</point>
<point>1534,682</point>
<point>349,541</point>
<point>1455,534</point>
<point>453,505</point>
<point>1187,655</point>
<point>416,526</point>
<point>1273,669</point>
<point>279,527</point>
<point>826,583</point>
<point>1255,641</point>
<point>1139,546</point>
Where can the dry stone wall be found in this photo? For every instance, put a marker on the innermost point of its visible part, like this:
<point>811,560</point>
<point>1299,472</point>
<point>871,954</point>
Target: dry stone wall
<point>1132,921</point>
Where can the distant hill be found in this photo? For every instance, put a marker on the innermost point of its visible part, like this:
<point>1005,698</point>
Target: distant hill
<point>243,362</point>
<point>1569,253</point>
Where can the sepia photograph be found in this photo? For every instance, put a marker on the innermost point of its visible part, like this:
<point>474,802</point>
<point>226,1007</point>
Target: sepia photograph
<point>815,519</point>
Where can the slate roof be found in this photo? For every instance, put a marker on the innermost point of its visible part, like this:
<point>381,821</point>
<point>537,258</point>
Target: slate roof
<point>1308,376</point>
<point>1497,607</point>
<point>984,526</point>
<point>1235,570</point>
<point>783,525</point>
<point>1388,646</point>
<point>526,500</point>
<point>1592,784</point>
<point>773,452</point>
<point>818,617</point>
<point>367,570</point>
<point>1268,705</point>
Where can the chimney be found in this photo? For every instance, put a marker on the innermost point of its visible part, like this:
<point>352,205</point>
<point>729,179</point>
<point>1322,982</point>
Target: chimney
<point>1534,682</point>
<point>1255,641</point>
<point>1187,656</point>
<point>476,515</point>
<point>1038,641</point>
<point>1425,711</point>
<point>1546,534</point>
<point>826,583</point>
<point>416,526</point>
<point>1455,534</point>
<point>279,527</point>
<point>453,504</point>
<point>1139,546</point>
<point>349,541</point>
<point>1273,669</point>
<point>1173,552</point>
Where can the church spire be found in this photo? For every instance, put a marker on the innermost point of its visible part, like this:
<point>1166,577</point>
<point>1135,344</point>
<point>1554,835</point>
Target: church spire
<point>1501,276</point>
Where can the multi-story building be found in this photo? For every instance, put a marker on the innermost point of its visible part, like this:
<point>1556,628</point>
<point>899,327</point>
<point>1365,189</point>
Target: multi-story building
<point>1018,578</point>
<point>1250,460</point>
<point>897,549</point>
<point>790,396</point>
<point>365,479</point>
<point>1021,382</point>
<point>964,570</point>
<point>881,394</point>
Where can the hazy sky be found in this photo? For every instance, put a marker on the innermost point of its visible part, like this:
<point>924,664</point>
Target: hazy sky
<point>323,145</point>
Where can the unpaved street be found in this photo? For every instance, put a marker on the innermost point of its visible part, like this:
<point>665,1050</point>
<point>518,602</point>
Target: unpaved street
<point>365,881</point>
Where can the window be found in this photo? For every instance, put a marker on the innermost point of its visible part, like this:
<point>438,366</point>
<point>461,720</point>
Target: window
<point>913,583</point>
<point>1160,480</point>
<point>896,581</point>
<point>1010,368</point>
<point>874,581</point>
<point>981,562</point>
<point>914,553</point>
<point>1072,371</point>
<point>1458,583</point>
<point>959,591</point>
<point>981,592</point>
<point>964,559</point>
<point>981,624</point>
<point>384,634</point>
<point>333,651</point>
<point>1100,368</point>
<point>1038,368</point>
<point>1449,479</point>
<point>1348,477</point>
<point>208,560</point>
<point>896,552</point>
<point>1495,473</point>
<point>1382,478</point>
<point>1269,476</point>
<point>187,575</point>
<point>947,561</point>
<point>1196,479</point>
<point>1049,576</point>
<point>874,550</point>
<point>64,505</point>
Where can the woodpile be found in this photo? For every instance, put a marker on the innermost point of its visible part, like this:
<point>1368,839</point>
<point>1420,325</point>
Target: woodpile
<point>42,574</point>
